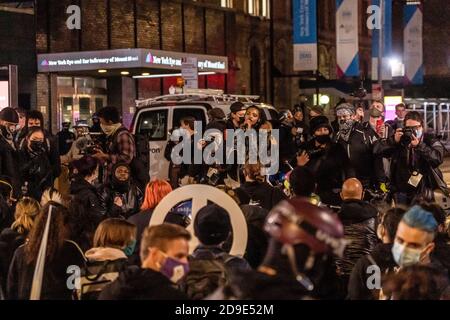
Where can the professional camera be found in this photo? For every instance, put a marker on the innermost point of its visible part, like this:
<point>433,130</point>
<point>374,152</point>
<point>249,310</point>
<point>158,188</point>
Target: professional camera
<point>407,136</point>
<point>89,143</point>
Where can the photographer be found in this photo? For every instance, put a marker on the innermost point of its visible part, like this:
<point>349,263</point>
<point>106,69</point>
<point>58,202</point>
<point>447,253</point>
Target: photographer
<point>82,145</point>
<point>327,161</point>
<point>415,161</point>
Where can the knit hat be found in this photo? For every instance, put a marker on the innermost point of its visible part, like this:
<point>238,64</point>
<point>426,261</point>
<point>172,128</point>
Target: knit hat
<point>319,122</point>
<point>212,225</point>
<point>9,114</point>
<point>216,113</point>
<point>345,109</point>
<point>237,106</point>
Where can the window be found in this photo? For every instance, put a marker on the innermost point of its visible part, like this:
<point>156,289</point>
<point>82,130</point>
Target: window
<point>227,3</point>
<point>153,124</point>
<point>197,113</point>
<point>259,8</point>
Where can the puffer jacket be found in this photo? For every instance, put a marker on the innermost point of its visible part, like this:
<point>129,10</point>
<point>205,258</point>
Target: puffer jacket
<point>359,220</point>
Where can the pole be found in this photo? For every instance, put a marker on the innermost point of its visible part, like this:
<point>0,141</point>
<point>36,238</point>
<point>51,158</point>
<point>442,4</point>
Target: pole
<point>272,53</point>
<point>381,48</point>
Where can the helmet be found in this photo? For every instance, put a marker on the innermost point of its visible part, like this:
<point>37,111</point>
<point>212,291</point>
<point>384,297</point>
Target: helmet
<point>298,221</point>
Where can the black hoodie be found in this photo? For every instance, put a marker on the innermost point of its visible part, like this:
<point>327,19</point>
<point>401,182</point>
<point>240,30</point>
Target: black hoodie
<point>141,284</point>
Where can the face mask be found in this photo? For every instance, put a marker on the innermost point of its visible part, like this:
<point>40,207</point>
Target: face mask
<point>129,250</point>
<point>375,113</point>
<point>405,256</point>
<point>323,139</point>
<point>419,134</point>
<point>174,270</point>
<point>346,125</point>
<point>37,146</point>
<point>12,129</point>
<point>109,129</point>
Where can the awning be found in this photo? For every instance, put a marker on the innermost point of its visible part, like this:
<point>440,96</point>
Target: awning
<point>135,61</point>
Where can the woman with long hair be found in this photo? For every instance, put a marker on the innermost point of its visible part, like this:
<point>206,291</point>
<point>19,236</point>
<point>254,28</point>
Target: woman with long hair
<point>27,209</point>
<point>60,254</point>
<point>155,191</point>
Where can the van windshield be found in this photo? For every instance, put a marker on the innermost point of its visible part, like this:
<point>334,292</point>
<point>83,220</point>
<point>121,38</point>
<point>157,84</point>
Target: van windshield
<point>153,124</point>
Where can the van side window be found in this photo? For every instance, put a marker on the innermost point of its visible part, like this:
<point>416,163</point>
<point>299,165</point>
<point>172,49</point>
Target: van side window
<point>197,113</point>
<point>153,124</point>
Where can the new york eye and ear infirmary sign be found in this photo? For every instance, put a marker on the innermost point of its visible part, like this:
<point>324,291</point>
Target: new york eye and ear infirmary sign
<point>126,58</point>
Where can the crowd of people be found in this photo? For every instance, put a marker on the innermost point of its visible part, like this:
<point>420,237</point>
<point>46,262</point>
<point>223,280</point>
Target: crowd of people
<point>358,210</point>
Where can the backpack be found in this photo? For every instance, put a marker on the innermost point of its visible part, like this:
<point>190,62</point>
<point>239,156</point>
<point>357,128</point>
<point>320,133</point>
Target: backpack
<point>206,275</point>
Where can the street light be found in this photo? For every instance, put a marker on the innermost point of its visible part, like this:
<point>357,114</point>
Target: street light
<point>397,67</point>
<point>324,99</point>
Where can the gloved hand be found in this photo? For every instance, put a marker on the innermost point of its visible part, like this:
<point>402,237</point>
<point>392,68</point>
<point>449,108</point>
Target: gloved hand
<point>384,188</point>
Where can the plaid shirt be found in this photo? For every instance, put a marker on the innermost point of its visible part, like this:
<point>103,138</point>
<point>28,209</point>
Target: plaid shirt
<point>121,148</point>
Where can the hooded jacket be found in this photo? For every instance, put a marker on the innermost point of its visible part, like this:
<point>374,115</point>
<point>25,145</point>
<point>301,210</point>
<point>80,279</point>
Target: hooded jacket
<point>86,193</point>
<point>136,283</point>
<point>262,194</point>
<point>359,222</point>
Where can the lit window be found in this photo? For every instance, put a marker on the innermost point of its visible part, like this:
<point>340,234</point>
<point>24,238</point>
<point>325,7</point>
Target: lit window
<point>227,3</point>
<point>259,8</point>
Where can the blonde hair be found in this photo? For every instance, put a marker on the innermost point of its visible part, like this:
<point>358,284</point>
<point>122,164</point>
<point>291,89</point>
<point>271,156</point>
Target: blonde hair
<point>27,210</point>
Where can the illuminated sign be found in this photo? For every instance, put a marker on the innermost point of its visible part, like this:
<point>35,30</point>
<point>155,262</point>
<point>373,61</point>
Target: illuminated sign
<point>4,94</point>
<point>126,59</point>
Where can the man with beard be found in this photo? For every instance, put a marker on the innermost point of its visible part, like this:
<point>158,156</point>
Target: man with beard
<point>9,120</point>
<point>360,143</point>
<point>122,191</point>
<point>327,160</point>
<point>298,263</point>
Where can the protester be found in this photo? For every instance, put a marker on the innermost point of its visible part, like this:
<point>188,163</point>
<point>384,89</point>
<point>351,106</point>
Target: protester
<point>114,241</point>
<point>327,161</point>
<point>237,115</point>
<point>155,191</point>
<point>210,264</point>
<point>298,264</point>
<point>359,219</point>
<point>380,258</point>
<point>122,192</point>
<point>27,209</point>
<point>302,182</point>
<point>164,255</point>
<point>65,138</point>
<point>259,192</point>
<point>60,254</point>
<point>35,163</point>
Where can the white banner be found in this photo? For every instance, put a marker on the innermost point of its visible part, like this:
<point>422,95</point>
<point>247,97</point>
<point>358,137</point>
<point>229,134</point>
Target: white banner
<point>347,45</point>
<point>413,45</point>
<point>305,34</point>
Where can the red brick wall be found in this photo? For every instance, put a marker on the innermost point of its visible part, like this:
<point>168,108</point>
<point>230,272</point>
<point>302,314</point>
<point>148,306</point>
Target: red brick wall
<point>148,24</point>
<point>94,22</point>
<point>122,24</point>
<point>171,26</point>
<point>193,30</point>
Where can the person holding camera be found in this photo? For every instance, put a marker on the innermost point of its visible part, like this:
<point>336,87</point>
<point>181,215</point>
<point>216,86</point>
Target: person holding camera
<point>415,160</point>
<point>327,160</point>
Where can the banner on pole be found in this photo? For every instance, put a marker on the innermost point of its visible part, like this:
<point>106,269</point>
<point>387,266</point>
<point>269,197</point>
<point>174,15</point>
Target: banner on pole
<point>413,44</point>
<point>387,42</point>
<point>347,38</point>
<point>305,35</point>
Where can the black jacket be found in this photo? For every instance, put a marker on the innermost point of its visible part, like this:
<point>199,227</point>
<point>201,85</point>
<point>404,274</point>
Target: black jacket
<point>361,150</point>
<point>9,162</point>
<point>54,285</point>
<point>141,284</point>
<point>359,222</point>
<point>65,140</point>
<point>428,155</point>
<point>87,194</point>
<point>262,194</point>
<point>132,200</point>
<point>10,240</point>
<point>331,168</point>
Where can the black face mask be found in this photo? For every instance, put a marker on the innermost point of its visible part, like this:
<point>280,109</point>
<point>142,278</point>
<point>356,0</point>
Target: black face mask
<point>325,139</point>
<point>37,146</point>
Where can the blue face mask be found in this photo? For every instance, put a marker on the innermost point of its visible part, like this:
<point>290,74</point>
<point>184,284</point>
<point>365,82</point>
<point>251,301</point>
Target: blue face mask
<point>129,250</point>
<point>405,256</point>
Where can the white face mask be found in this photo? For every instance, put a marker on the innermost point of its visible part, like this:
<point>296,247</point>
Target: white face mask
<point>405,256</point>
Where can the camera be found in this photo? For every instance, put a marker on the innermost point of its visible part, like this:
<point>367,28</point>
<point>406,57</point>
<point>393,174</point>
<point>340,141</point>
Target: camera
<point>407,136</point>
<point>89,144</point>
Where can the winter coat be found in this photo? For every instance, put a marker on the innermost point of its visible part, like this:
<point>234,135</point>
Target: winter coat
<point>358,218</point>
<point>428,155</point>
<point>361,150</point>
<point>10,240</point>
<point>331,168</point>
<point>262,194</point>
<point>132,200</point>
<point>9,162</point>
<point>65,141</point>
<point>136,283</point>
<point>102,267</point>
<point>54,285</point>
<point>87,194</point>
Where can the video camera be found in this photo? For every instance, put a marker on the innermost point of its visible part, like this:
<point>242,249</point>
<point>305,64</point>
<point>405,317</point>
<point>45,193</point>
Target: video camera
<point>89,143</point>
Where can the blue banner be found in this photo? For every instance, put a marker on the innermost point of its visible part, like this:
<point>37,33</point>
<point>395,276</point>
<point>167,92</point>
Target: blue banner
<point>305,34</point>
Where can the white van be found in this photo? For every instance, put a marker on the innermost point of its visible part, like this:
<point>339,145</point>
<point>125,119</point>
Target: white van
<point>152,123</point>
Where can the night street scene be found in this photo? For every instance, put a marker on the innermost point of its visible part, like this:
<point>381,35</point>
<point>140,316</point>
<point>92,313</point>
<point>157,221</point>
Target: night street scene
<point>224,154</point>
